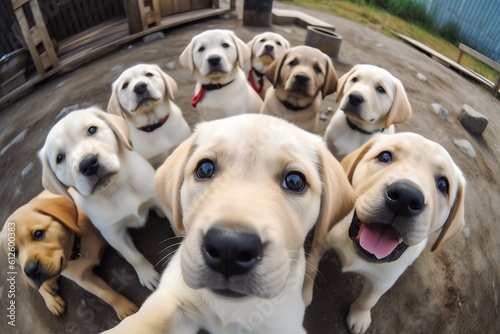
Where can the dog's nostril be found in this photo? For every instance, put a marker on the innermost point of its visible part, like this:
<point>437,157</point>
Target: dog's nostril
<point>301,78</point>
<point>140,88</point>
<point>416,205</point>
<point>356,99</point>
<point>392,194</point>
<point>214,60</point>
<point>33,270</point>
<point>89,165</point>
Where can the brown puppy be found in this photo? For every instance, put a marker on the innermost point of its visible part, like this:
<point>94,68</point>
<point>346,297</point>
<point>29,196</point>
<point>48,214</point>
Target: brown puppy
<point>298,77</point>
<point>49,237</point>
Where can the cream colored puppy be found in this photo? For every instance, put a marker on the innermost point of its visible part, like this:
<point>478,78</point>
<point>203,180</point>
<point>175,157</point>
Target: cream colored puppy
<point>410,192</point>
<point>299,76</point>
<point>246,190</point>
<point>371,101</point>
<point>222,89</point>
<point>144,96</point>
<point>89,151</point>
<point>265,48</point>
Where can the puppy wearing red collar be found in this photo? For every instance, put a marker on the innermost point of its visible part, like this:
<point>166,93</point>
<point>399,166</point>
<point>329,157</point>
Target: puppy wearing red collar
<point>49,237</point>
<point>144,96</point>
<point>216,57</point>
<point>266,48</point>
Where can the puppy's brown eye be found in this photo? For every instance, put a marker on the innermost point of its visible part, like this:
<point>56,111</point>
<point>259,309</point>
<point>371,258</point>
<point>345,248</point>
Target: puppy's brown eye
<point>263,40</point>
<point>92,130</point>
<point>293,63</point>
<point>354,79</point>
<point>38,235</point>
<point>317,69</point>
<point>442,185</point>
<point>294,181</point>
<point>380,89</point>
<point>59,158</point>
<point>225,45</point>
<point>279,43</point>
<point>149,74</point>
<point>201,49</point>
<point>385,157</point>
<point>125,85</point>
<point>205,169</point>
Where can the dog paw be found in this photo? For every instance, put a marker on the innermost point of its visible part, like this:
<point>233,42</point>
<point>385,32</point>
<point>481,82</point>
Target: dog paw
<point>125,308</point>
<point>358,321</point>
<point>55,304</point>
<point>148,277</point>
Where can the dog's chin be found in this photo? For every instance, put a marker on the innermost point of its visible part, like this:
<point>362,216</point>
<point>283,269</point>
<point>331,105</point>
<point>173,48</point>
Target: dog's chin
<point>102,182</point>
<point>229,294</point>
<point>388,247</point>
<point>266,58</point>
<point>145,106</point>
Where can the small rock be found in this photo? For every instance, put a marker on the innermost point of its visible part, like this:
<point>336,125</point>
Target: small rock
<point>150,51</point>
<point>26,170</point>
<point>422,77</point>
<point>465,146</point>
<point>329,110</point>
<point>59,85</point>
<point>19,138</point>
<point>473,121</point>
<point>170,65</point>
<point>66,110</point>
<point>440,110</point>
<point>117,68</point>
<point>379,45</point>
<point>153,37</point>
<point>288,30</point>
<point>18,192</point>
<point>323,116</point>
<point>466,231</point>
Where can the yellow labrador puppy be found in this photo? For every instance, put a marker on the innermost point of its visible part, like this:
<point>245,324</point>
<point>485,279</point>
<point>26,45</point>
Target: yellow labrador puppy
<point>215,58</point>
<point>144,96</point>
<point>410,192</point>
<point>49,237</point>
<point>89,150</point>
<point>299,76</point>
<point>246,190</point>
<point>371,101</point>
<point>265,48</point>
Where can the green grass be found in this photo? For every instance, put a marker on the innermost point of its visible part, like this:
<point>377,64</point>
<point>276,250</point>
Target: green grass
<point>369,12</point>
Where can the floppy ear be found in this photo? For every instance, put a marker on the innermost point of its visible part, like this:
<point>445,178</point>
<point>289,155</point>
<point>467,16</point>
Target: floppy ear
<point>60,209</point>
<point>251,43</point>
<point>285,43</point>
<point>341,84</point>
<point>186,57</point>
<point>244,52</point>
<point>456,220</point>
<point>274,69</point>
<point>170,83</point>
<point>49,178</point>
<point>351,161</point>
<point>114,106</point>
<point>337,200</point>
<point>330,84</point>
<point>401,109</point>
<point>169,178</point>
<point>118,125</point>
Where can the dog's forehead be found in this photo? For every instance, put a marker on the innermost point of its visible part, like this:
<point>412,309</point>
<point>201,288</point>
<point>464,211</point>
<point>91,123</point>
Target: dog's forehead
<point>213,37</point>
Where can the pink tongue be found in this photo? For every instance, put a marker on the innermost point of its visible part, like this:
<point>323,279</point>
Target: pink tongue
<point>378,239</point>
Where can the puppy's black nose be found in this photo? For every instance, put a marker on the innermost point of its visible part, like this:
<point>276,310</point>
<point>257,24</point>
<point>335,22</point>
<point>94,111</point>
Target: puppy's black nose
<point>33,270</point>
<point>404,200</point>
<point>140,88</point>
<point>214,60</point>
<point>269,48</point>
<point>356,99</point>
<point>231,252</point>
<point>89,165</point>
<point>301,78</point>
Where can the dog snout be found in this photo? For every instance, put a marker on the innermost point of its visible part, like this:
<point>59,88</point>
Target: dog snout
<point>230,252</point>
<point>356,99</point>
<point>214,60</point>
<point>404,199</point>
<point>268,48</point>
<point>89,165</point>
<point>140,88</point>
<point>301,78</point>
<point>33,270</point>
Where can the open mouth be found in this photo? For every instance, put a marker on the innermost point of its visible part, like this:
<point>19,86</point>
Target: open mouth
<point>228,293</point>
<point>103,181</point>
<point>376,242</point>
<point>146,102</point>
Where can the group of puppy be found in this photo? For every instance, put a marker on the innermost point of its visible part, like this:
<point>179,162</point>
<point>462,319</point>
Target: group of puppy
<point>244,189</point>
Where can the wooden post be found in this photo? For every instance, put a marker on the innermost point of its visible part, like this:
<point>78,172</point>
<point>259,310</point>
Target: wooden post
<point>257,13</point>
<point>133,16</point>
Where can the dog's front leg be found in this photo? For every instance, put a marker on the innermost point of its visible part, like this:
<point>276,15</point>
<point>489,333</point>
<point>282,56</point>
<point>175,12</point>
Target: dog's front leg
<point>122,242</point>
<point>54,302</point>
<point>359,317</point>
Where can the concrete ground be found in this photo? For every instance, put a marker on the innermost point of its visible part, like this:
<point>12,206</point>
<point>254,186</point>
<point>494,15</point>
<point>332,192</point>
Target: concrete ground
<point>454,290</point>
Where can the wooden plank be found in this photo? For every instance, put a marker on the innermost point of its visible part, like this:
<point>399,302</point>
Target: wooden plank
<point>88,13</point>
<point>167,7</point>
<point>490,62</point>
<point>47,42</point>
<point>75,18</point>
<point>287,16</point>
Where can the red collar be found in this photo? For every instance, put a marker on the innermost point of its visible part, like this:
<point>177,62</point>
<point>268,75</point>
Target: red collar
<point>152,127</point>
<point>197,98</point>
<point>252,82</point>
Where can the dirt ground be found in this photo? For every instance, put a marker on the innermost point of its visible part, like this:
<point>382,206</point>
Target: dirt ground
<point>454,290</point>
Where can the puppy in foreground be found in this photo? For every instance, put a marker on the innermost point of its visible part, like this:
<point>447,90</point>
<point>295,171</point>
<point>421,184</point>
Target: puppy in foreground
<point>299,76</point>
<point>144,96</point>
<point>216,57</point>
<point>246,190</point>
<point>409,193</point>
<point>265,48</point>
<point>49,237</point>
<point>89,151</point>
<point>371,100</point>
